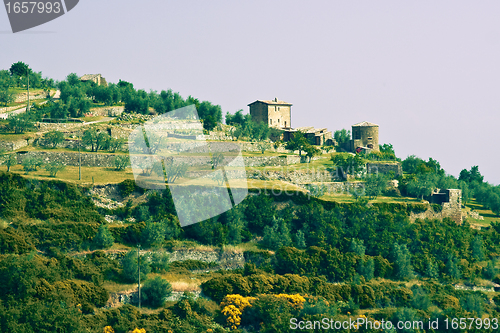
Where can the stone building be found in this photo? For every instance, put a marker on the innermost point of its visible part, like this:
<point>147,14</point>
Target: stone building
<point>316,136</point>
<point>364,136</point>
<point>275,113</point>
<point>451,202</point>
<point>96,78</point>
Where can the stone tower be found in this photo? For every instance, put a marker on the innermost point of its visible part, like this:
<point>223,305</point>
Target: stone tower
<point>365,135</point>
<point>275,113</point>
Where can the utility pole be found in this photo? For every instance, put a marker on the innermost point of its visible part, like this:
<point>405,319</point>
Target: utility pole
<point>28,74</point>
<point>139,270</point>
<point>79,156</point>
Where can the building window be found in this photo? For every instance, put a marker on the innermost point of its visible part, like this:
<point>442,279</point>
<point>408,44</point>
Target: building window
<point>285,123</point>
<point>357,135</point>
<point>270,121</point>
<point>278,121</point>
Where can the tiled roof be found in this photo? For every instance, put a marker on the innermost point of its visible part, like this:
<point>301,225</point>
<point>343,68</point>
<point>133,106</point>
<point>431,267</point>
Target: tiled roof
<point>273,102</point>
<point>87,77</point>
<point>365,124</point>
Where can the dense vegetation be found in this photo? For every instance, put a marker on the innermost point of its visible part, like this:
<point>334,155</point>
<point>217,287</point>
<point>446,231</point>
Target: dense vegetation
<point>309,258</point>
<point>347,258</point>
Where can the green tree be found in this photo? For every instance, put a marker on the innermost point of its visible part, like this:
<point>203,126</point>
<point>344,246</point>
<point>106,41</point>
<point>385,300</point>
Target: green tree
<point>53,138</point>
<point>366,268</point>
<point>103,239</point>
<point>452,267</point>
<point>121,162</point>
<point>6,95</point>
<point>493,203</point>
<point>472,176</point>
<point>96,139</point>
<point>31,164</point>
<point>217,159</point>
<point>298,142</point>
<point>347,164</point>
<point>53,167</point>
<point>300,240</point>
<point>422,185</point>
<point>357,246</point>
<point>154,234</point>
<point>490,271</point>
<point>59,110</point>
<point>375,184</point>
<point>432,269</point>
<point>10,161</point>
<point>406,315</point>
<point>160,262</point>
<point>263,146</point>
<point>411,163</point>
<point>115,144</point>
<point>235,225</point>
<point>236,119</point>
<point>311,151</point>
<point>155,291</point>
<point>403,269</point>
<point>130,267</point>
<point>277,235</point>
<point>343,138</point>
<point>19,69</point>
<point>474,304</point>
<point>420,299</point>
<point>20,123</point>
<point>477,248</point>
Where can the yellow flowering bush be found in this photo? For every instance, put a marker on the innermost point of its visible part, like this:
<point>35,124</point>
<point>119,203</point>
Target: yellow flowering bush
<point>232,308</point>
<point>139,330</point>
<point>296,300</point>
<point>109,329</point>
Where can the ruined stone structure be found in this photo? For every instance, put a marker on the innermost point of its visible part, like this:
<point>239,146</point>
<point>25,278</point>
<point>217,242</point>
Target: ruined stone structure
<point>364,136</point>
<point>96,78</point>
<point>451,201</point>
<point>316,136</point>
<point>451,206</point>
<point>275,113</point>
<point>384,168</point>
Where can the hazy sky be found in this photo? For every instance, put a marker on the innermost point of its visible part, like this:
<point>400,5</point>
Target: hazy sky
<point>428,72</point>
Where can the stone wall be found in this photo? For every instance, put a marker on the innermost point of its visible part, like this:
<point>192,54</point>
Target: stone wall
<point>384,168</point>
<point>107,160</point>
<point>62,127</point>
<point>305,176</point>
<point>70,158</point>
<point>23,97</point>
<point>13,145</point>
<point>109,111</point>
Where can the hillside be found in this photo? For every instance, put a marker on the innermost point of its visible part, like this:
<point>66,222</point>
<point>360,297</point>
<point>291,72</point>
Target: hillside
<point>321,234</point>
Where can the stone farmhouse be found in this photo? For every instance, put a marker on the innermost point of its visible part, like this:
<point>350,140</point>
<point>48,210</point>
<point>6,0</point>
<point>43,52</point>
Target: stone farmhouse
<point>364,137</point>
<point>316,136</point>
<point>96,78</point>
<point>278,114</point>
<point>275,113</point>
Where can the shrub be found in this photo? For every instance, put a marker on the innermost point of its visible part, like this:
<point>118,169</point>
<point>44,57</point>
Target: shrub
<point>127,187</point>
<point>54,167</point>
<point>103,239</point>
<point>53,138</point>
<point>121,162</point>
<point>130,267</point>
<point>160,262</point>
<point>31,164</point>
<point>155,291</point>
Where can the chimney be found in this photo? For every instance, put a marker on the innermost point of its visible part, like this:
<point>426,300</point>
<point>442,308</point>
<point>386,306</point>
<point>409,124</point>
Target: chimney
<point>276,99</point>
